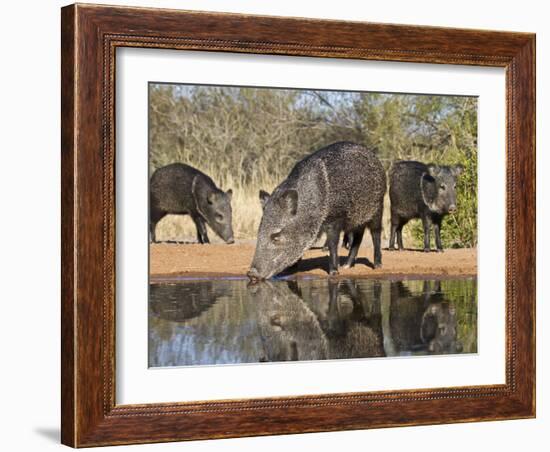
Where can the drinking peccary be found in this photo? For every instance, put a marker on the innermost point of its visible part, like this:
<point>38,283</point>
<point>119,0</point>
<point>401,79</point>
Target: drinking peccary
<point>421,191</point>
<point>182,189</point>
<point>338,188</point>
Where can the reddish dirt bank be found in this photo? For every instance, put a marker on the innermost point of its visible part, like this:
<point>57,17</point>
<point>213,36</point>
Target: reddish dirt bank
<point>192,260</point>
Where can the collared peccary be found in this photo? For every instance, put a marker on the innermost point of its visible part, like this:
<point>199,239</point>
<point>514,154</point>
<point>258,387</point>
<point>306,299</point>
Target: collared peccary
<point>181,189</point>
<point>338,188</point>
<point>421,191</point>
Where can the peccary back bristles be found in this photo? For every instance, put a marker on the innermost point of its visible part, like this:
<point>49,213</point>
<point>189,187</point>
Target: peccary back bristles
<point>338,188</point>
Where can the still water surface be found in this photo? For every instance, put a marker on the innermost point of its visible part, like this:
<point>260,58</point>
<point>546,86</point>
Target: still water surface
<point>230,322</point>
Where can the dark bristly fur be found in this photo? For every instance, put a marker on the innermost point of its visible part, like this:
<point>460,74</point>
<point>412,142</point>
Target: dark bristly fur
<point>338,188</point>
<point>182,189</point>
<point>421,191</point>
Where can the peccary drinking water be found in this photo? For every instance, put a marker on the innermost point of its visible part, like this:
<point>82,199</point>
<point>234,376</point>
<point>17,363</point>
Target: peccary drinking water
<point>182,189</point>
<point>421,191</point>
<point>338,188</point>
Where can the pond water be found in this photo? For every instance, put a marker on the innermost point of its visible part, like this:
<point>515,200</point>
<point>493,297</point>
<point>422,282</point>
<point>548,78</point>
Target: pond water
<point>229,321</point>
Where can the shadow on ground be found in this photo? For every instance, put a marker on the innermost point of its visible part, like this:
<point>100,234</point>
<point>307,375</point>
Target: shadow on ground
<point>321,262</point>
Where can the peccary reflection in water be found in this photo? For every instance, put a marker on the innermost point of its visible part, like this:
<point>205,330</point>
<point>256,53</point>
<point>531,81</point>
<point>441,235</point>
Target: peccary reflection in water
<point>350,317</point>
<point>423,322</point>
<point>181,302</point>
<point>229,322</point>
<point>288,329</point>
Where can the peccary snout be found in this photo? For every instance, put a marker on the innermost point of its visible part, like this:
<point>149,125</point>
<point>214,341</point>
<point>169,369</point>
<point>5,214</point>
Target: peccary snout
<point>215,208</point>
<point>254,275</point>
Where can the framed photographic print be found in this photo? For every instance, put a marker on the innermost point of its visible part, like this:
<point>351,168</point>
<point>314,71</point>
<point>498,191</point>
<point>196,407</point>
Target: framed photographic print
<point>280,225</point>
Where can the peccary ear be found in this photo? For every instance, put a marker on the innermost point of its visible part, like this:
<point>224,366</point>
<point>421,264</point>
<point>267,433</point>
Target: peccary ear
<point>432,169</point>
<point>264,196</point>
<point>229,194</point>
<point>457,170</point>
<point>288,200</point>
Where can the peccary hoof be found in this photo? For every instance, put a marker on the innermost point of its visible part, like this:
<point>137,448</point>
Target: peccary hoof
<point>333,272</point>
<point>440,250</point>
<point>427,250</point>
<point>377,265</point>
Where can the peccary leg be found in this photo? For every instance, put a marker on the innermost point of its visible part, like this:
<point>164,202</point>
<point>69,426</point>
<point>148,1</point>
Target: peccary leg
<point>376,233</point>
<point>394,226</point>
<point>437,287</point>
<point>391,246</point>
<point>153,227</point>
<point>358,312</point>
<point>400,236</point>
<point>437,232</point>
<point>202,235</point>
<point>294,351</point>
<point>333,237</point>
<point>156,216</point>
<point>426,224</point>
<point>333,311</point>
<point>357,237</point>
<point>396,232</point>
<point>348,240</point>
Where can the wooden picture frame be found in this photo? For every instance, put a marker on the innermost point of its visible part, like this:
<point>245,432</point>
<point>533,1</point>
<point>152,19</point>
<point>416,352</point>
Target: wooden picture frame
<point>90,36</point>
